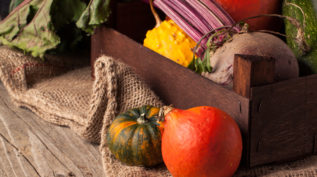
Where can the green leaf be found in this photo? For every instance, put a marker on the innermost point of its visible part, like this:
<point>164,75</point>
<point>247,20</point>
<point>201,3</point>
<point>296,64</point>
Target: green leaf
<point>29,29</point>
<point>64,21</point>
<point>66,11</point>
<point>14,4</point>
<point>207,66</point>
<point>38,35</point>
<point>16,21</point>
<point>39,26</point>
<point>199,66</point>
<point>97,12</point>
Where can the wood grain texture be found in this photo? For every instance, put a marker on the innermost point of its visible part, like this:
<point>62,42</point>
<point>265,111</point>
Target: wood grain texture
<point>283,120</point>
<point>250,71</point>
<point>32,147</point>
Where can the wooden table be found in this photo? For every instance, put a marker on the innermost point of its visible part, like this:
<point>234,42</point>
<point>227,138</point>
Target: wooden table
<point>32,147</point>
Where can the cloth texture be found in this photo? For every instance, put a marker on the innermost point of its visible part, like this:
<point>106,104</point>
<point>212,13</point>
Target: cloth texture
<point>61,90</point>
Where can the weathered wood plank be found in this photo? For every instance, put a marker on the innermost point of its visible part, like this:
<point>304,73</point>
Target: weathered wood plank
<point>32,147</point>
<point>283,120</point>
<point>312,104</point>
<point>250,71</point>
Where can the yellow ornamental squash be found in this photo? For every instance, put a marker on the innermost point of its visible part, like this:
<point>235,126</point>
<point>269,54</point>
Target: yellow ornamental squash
<point>169,40</point>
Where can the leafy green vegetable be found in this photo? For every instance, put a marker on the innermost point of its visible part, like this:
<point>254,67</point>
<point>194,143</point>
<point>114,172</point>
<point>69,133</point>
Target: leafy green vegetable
<point>39,26</point>
<point>64,19</point>
<point>14,4</point>
<point>97,12</point>
<point>201,65</point>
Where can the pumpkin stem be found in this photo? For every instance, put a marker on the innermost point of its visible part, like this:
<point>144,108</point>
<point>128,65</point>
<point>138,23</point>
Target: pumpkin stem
<point>164,111</point>
<point>157,18</point>
<point>141,119</point>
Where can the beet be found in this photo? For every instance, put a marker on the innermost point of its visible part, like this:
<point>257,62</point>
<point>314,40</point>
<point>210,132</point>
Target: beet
<point>255,43</point>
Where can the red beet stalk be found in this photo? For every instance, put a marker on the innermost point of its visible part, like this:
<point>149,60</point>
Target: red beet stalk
<point>196,17</point>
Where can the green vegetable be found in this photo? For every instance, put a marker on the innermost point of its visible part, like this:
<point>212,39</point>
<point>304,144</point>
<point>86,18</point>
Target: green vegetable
<point>39,26</point>
<point>303,41</point>
<point>14,4</point>
<point>97,12</point>
<point>134,137</point>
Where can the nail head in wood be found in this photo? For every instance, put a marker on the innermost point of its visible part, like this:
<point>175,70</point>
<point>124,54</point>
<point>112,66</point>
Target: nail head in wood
<point>250,71</point>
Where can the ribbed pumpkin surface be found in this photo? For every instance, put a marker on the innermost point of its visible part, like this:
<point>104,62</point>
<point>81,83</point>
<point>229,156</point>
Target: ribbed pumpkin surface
<point>134,137</point>
<point>171,41</point>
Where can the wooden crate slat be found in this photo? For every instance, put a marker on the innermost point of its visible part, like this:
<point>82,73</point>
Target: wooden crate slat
<point>281,123</point>
<point>312,107</point>
<point>250,71</point>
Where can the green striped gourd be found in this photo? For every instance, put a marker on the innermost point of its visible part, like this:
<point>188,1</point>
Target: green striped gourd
<point>134,137</point>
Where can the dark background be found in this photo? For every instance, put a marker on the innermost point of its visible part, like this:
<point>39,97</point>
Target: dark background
<point>4,6</point>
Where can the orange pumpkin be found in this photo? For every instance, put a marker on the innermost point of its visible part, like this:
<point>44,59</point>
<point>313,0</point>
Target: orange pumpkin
<point>240,10</point>
<point>201,142</point>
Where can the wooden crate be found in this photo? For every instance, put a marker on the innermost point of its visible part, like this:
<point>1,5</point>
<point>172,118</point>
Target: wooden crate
<point>278,120</point>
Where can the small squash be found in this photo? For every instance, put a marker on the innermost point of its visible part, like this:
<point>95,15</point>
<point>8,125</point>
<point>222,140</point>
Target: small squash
<point>201,141</point>
<point>169,40</point>
<point>134,137</point>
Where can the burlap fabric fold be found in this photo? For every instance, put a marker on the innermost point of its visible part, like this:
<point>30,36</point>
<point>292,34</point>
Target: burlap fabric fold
<point>60,90</point>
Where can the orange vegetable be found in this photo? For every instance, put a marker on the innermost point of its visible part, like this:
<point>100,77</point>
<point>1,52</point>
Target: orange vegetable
<point>247,8</point>
<point>201,142</point>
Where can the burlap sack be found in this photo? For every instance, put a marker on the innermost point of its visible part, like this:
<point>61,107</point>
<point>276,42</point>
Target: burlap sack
<point>60,90</point>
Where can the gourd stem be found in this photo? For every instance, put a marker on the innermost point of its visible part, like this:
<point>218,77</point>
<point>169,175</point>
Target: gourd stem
<point>141,119</point>
<point>302,11</point>
<point>157,18</point>
<point>164,111</point>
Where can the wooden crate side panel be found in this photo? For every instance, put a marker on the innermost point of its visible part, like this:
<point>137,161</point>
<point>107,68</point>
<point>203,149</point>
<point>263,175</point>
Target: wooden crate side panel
<point>312,107</point>
<point>283,121</point>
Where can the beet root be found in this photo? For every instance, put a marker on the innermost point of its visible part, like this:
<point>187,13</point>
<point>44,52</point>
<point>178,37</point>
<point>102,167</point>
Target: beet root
<point>255,43</point>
